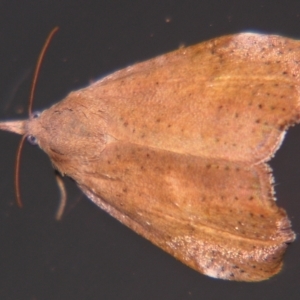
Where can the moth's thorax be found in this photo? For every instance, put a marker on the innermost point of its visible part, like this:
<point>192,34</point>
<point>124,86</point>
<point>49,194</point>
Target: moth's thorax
<point>68,131</point>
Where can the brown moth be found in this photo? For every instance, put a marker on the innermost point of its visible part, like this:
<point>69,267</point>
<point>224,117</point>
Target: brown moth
<point>176,149</point>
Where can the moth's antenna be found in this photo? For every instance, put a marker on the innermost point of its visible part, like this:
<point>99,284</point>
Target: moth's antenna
<point>33,86</point>
<point>38,67</point>
<point>17,172</point>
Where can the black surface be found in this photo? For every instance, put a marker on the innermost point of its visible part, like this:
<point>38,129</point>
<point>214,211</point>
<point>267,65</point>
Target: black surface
<point>89,255</point>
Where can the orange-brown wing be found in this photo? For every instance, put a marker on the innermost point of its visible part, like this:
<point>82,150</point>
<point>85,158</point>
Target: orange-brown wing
<point>216,216</point>
<point>228,98</point>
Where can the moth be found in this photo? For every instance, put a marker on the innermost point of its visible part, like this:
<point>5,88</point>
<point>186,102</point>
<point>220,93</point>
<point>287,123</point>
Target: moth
<point>176,148</point>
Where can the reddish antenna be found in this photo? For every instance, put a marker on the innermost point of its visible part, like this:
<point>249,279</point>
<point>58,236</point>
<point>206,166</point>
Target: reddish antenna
<point>32,91</point>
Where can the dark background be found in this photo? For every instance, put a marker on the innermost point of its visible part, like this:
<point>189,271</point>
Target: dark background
<point>89,255</point>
